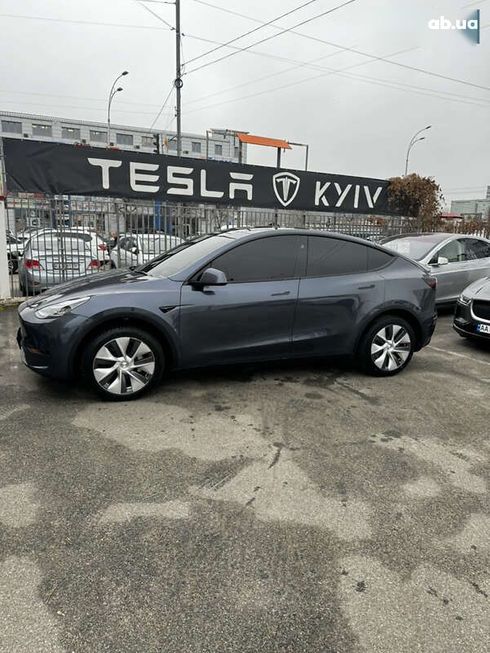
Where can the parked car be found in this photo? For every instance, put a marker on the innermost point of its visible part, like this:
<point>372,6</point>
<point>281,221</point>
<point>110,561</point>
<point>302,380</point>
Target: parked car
<point>244,295</point>
<point>53,257</point>
<point>135,249</point>
<point>455,260</point>
<point>472,315</point>
<point>97,244</point>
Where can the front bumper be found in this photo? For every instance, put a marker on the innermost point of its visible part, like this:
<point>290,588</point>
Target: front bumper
<point>48,346</point>
<point>465,323</point>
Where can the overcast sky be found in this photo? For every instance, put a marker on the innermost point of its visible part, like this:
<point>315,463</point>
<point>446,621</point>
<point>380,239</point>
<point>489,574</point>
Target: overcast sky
<point>59,57</point>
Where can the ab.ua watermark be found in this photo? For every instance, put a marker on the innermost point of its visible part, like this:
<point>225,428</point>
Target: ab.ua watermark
<point>470,26</point>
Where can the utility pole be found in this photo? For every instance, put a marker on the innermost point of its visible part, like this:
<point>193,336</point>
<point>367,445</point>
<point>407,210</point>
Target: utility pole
<point>178,77</point>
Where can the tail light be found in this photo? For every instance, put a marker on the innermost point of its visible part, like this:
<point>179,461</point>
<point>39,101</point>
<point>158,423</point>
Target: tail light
<point>94,264</point>
<point>32,264</point>
<point>431,282</point>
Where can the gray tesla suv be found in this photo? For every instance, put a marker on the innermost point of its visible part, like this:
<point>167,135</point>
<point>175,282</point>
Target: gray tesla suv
<point>241,295</point>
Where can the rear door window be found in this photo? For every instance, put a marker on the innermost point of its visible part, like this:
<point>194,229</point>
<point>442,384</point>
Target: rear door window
<point>331,257</point>
<point>476,249</point>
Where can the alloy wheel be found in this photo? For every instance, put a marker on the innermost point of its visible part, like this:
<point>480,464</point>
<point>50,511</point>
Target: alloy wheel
<point>391,347</point>
<point>124,365</point>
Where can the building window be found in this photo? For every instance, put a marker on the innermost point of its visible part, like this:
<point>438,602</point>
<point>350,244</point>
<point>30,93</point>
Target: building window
<point>237,152</point>
<point>218,149</point>
<point>11,127</point>
<point>196,147</point>
<point>147,141</point>
<point>172,143</point>
<point>124,139</point>
<point>98,136</point>
<point>42,130</point>
<point>73,133</point>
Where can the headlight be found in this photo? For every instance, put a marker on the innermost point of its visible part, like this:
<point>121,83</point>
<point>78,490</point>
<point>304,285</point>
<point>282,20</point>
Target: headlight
<point>463,299</point>
<point>60,308</point>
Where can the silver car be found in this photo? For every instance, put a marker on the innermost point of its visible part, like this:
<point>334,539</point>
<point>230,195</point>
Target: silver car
<point>455,260</point>
<point>135,249</point>
<point>54,257</point>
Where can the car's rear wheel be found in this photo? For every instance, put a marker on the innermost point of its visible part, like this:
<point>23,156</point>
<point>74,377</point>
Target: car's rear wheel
<point>123,363</point>
<point>387,346</point>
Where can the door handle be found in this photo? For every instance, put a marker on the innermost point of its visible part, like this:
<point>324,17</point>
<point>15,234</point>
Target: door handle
<point>371,285</point>
<point>280,294</point>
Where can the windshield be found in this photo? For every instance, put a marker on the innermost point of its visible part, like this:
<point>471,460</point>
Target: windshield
<point>416,247</point>
<point>180,257</point>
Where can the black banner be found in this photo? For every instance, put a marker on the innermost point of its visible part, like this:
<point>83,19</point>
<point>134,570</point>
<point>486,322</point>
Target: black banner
<point>37,167</point>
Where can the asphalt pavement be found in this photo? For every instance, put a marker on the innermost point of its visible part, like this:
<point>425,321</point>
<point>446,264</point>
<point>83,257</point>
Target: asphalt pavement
<point>297,507</point>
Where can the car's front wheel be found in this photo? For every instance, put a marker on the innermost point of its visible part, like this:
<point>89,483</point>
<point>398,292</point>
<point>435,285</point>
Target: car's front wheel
<point>387,346</point>
<point>13,264</point>
<point>123,363</point>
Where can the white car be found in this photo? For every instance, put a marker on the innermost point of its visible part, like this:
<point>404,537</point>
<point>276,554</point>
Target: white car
<point>96,243</point>
<point>136,249</point>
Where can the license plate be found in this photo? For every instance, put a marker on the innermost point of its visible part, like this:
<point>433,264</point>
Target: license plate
<point>483,328</point>
<point>60,266</point>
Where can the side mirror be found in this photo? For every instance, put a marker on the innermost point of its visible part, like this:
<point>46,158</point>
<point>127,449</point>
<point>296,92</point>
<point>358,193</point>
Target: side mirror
<point>442,260</point>
<point>211,277</point>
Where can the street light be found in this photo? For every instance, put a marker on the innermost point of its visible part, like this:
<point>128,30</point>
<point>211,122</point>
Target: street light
<point>113,92</point>
<point>412,143</point>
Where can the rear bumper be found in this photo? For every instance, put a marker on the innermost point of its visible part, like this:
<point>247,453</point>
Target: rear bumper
<point>427,330</point>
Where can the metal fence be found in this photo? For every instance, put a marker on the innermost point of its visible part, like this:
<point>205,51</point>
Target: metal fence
<point>52,239</point>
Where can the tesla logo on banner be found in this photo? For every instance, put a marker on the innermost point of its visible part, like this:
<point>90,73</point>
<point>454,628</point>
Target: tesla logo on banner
<point>286,186</point>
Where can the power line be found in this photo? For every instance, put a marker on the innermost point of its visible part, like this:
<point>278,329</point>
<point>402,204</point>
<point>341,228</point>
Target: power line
<point>237,49</point>
<point>76,97</point>
<point>330,71</point>
<point>82,22</point>
<point>163,106</point>
<point>255,20</point>
<point>396,85</point>
<point>273,36</point>
<point>153,13</point>
<point>252,31</point>
<point>346,49</point>
<point>277,74</point>
<point>71,106</point>
<point>335,45</point>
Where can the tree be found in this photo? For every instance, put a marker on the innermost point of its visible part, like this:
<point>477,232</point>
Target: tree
<point>417,197</point>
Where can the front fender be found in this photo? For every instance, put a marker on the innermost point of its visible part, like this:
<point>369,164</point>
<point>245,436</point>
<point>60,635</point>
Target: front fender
<point>167,326</point>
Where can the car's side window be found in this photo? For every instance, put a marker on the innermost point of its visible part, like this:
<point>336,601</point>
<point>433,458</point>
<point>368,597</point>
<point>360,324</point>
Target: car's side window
<point>453,251</point>
<point>332,256</point>
<point>476,249</point>
<point>266,259</point>
<point>122,243</point>
<point>378,259</point>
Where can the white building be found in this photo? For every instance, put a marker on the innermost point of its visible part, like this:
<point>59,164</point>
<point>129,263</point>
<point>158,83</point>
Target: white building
<point>479,209</point>
<point>219,144</point>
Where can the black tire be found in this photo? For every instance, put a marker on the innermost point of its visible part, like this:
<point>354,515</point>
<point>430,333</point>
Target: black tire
<point>375,363</point>
<point>135,334</point>
<point>13,264</point>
